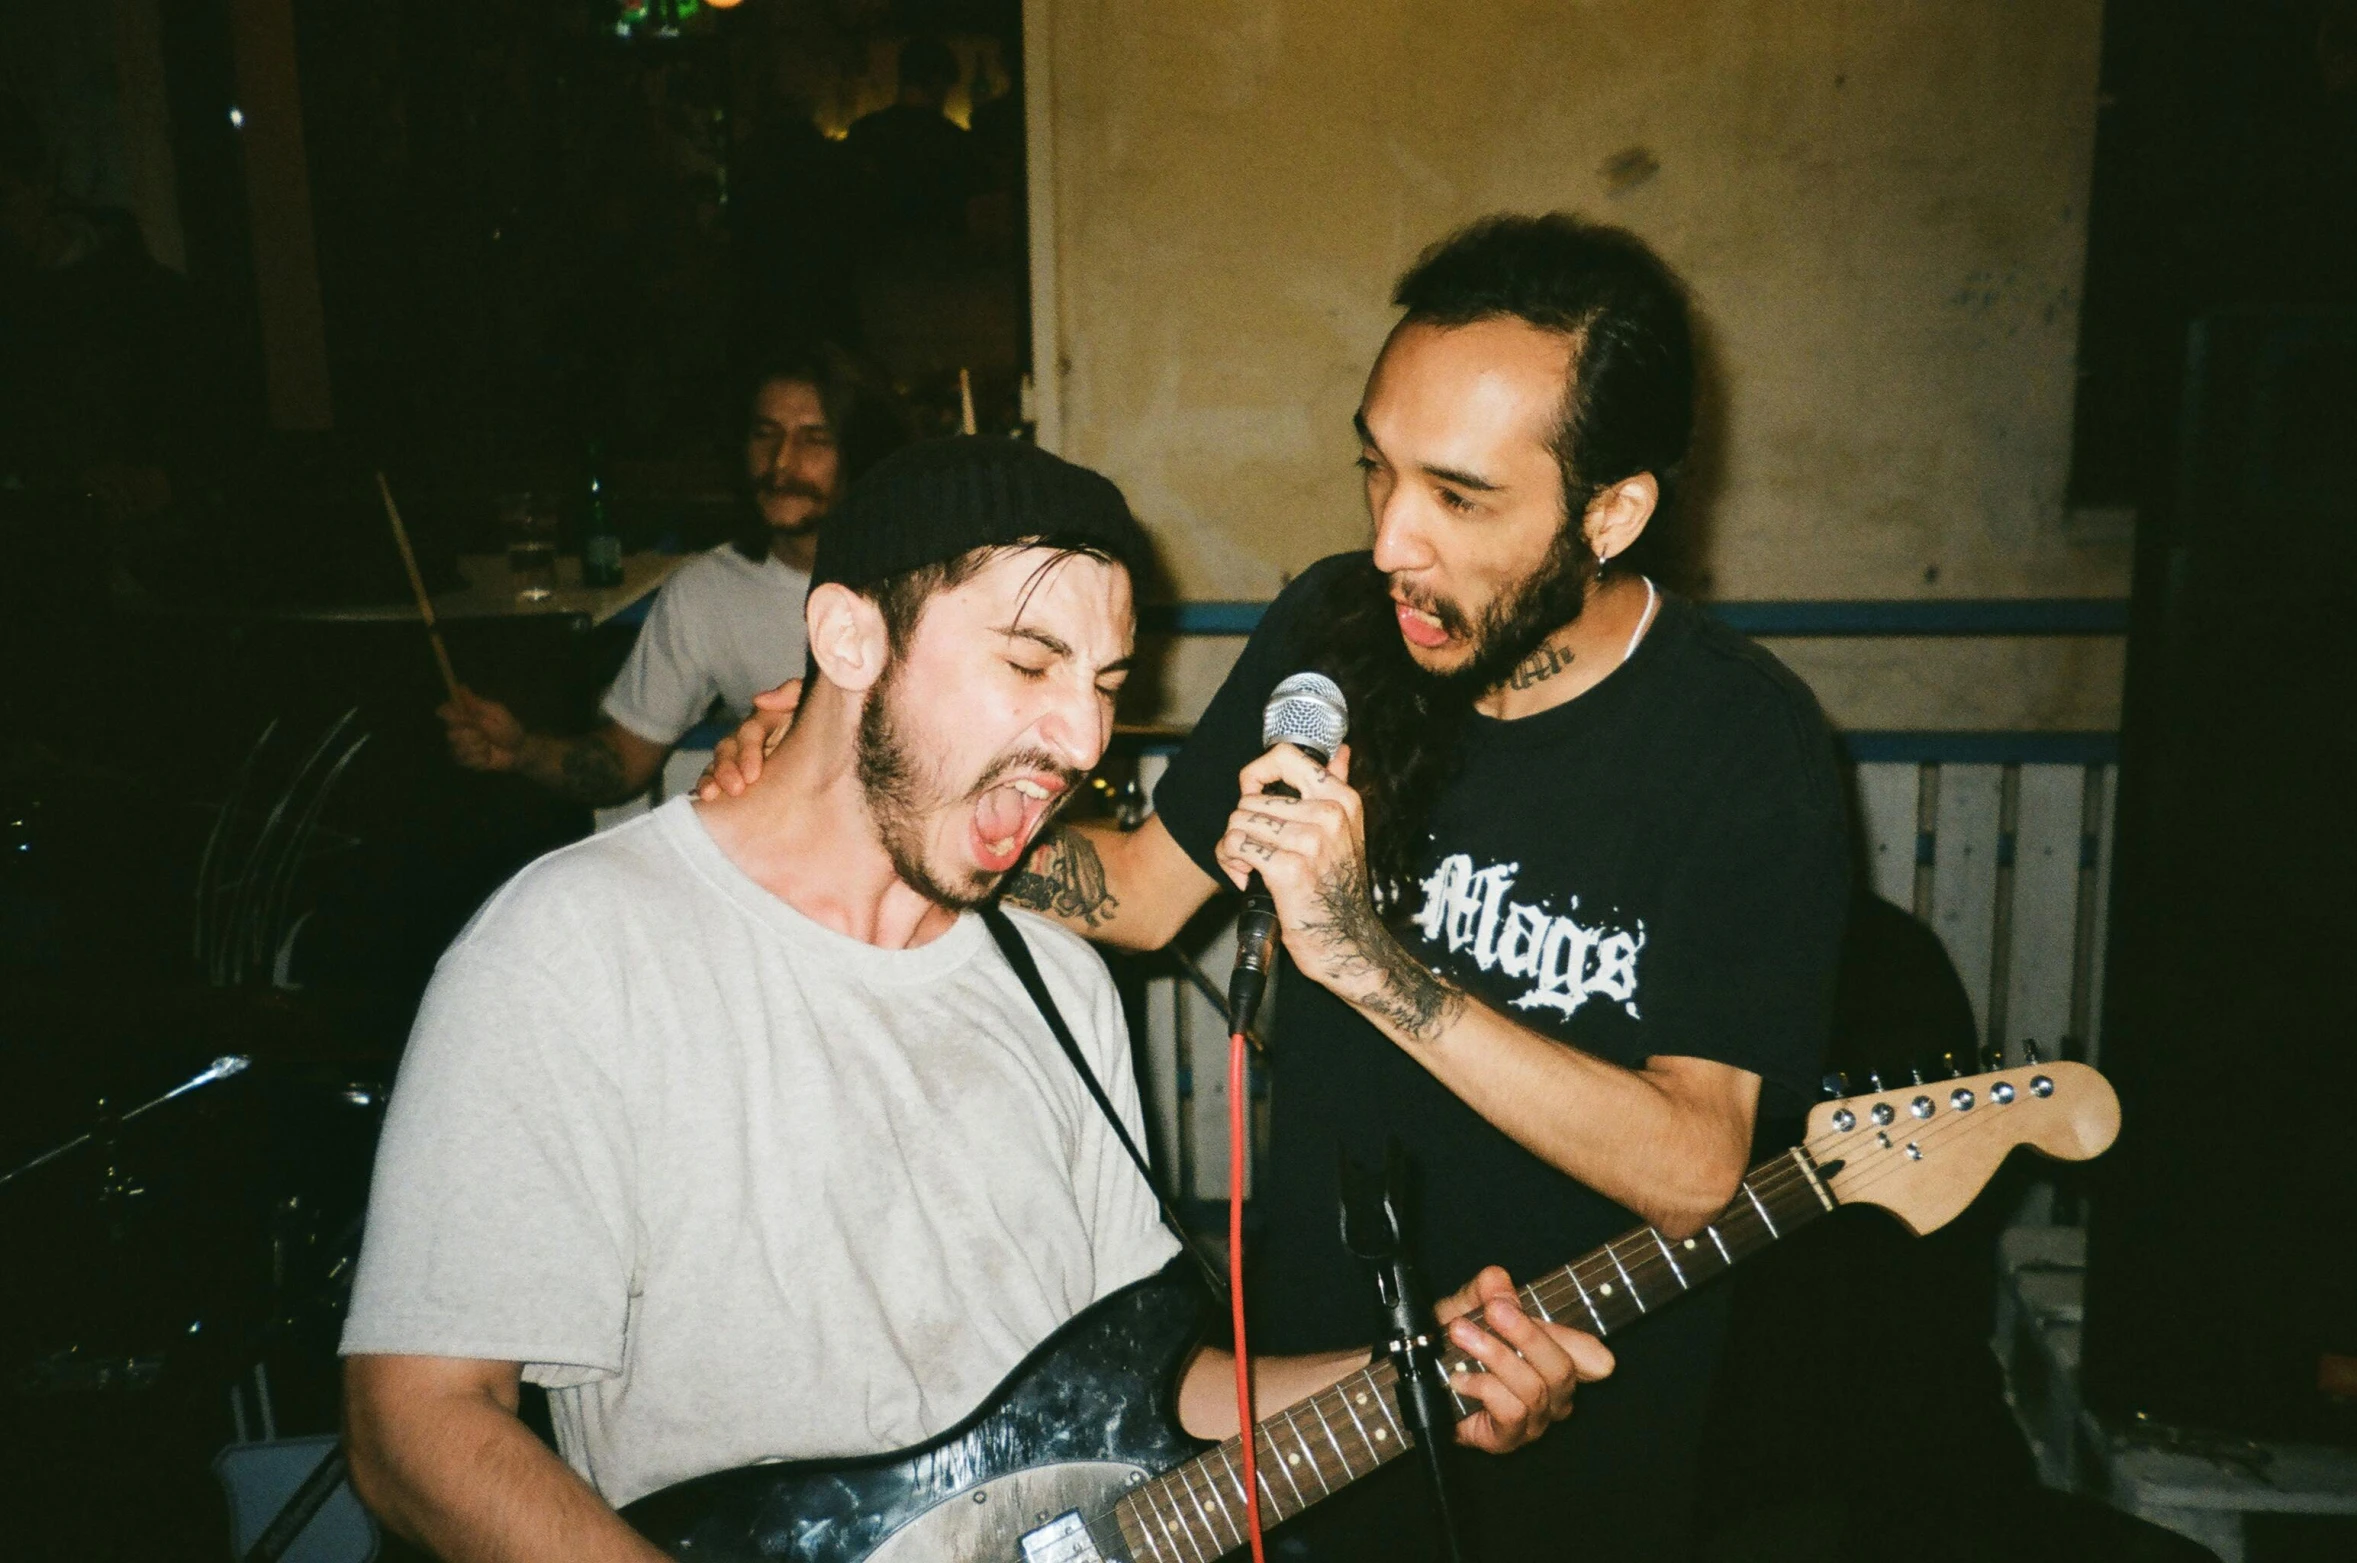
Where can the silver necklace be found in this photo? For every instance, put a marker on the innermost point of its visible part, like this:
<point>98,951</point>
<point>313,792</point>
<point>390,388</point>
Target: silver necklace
<point>1644,620</point>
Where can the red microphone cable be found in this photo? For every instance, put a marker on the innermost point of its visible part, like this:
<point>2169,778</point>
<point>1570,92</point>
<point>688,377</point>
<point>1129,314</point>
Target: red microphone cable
<point>1244,1420</point>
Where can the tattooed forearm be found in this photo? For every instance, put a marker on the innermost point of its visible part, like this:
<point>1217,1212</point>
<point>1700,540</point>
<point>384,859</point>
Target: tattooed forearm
<point>1538,667</point>
<point>1065,879</point>
<point>590,772</point>
<point>1401,990</point>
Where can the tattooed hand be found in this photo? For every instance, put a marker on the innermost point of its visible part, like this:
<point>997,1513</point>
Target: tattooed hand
<point>1311,852</point>
<point>1064,878</point>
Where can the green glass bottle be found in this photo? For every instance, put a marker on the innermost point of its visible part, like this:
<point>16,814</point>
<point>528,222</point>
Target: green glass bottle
<point>601,544</point>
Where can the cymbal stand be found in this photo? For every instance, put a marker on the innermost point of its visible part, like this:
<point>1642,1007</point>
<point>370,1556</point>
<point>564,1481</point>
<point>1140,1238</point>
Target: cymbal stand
<point>111,1124</point>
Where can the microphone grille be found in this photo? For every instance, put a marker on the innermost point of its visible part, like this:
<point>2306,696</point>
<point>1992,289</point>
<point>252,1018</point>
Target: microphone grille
<point>1308,712</point>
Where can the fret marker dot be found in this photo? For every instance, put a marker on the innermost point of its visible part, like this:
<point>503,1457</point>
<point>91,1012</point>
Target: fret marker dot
<point>1293,1459</point>
<point>1362,1399</point>
<point>1605,1290</point>
<point>1381,1434</point>
<point>1689,1242</point>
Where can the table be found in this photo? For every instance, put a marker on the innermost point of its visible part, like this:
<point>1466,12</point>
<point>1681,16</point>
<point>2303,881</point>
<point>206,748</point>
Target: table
<point>490,593</point>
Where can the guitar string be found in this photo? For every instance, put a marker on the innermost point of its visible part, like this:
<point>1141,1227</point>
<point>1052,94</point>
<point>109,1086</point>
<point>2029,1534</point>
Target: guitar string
<point>1772,1184</point>
<point>1349,1474</point>
<point>1786,1173</point>
<point>1932,1131</point>
<point>1932,1088</point>
<point>1775,1182</point>
<point>1875,1166</point>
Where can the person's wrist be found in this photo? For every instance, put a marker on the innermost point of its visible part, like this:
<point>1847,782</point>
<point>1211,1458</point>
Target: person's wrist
<point>517,755</point>
<point>1400,994</point>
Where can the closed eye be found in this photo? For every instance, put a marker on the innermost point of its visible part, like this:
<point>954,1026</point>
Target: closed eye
<point>1030,673</point>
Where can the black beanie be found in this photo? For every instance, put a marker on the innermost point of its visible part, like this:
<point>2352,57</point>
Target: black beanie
<point>938,500</point>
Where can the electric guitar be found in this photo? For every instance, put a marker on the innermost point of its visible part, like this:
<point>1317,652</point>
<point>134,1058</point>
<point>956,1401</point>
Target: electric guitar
<point>1078,1457</point>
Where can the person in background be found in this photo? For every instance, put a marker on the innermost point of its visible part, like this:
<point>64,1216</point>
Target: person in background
<point>791,220</point>
<point>728,623</point>
<point>916,163</point>
<point>112,416</point>
<point>98,370</point>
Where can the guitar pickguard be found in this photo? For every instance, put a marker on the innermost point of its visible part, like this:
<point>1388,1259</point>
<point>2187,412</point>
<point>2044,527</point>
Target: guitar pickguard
<point>1091,1410</point>
<point>987,1524</point>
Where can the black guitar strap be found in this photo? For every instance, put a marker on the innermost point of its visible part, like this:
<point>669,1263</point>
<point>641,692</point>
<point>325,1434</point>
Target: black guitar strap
<point>1018,954</point>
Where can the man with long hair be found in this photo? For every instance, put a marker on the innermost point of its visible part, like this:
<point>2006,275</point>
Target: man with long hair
<point>728,623</point>
<point>1567,906</point>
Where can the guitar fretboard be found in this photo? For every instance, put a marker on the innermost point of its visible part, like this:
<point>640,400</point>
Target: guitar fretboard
<point>1316,1447</point>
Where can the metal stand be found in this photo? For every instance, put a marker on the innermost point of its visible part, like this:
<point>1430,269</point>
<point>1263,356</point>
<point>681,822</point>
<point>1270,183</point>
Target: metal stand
<point>1371,1230</point>
<point>109,1124</point>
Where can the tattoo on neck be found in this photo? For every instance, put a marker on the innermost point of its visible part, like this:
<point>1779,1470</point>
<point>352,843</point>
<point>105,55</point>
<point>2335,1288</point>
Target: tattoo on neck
<point>1065,879</point>
<point>1538,667</point>
<point>1407,995</point>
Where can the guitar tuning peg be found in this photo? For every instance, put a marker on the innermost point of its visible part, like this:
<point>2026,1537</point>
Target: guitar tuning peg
<point>1992,1056</point>
<point>1955,1070</point>
<point>2029,1050</point>
<point>1873,1083</point>
<point>1835,1085</point>
<point>1915,1075</point>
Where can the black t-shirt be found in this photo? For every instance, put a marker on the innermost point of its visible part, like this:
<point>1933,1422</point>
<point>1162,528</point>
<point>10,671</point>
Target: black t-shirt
<point>1657,867</point>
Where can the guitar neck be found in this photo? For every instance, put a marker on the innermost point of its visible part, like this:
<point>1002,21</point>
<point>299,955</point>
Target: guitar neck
<point>1320,1445</point>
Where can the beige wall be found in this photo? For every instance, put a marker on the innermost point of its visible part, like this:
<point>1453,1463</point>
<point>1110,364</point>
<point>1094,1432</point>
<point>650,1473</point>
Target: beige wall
<point>1880,205</point>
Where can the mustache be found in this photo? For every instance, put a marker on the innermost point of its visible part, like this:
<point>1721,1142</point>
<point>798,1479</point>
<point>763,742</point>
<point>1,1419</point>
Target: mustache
<point>1031,762</point>
<point>789,488</point>
<point>1452,618</point>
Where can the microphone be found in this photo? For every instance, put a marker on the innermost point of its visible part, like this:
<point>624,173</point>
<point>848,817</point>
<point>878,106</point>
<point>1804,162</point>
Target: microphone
<point>1308,712</point>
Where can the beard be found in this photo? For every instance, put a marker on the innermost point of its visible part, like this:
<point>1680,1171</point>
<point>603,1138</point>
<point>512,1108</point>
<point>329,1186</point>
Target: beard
<point>1406,718</point>
<point>1515,623</point>
<point>904,794</point>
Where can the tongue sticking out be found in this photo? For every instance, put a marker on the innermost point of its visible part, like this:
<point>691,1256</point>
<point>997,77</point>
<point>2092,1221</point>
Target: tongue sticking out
<point>1003,818</point>
<point>1421,629</point>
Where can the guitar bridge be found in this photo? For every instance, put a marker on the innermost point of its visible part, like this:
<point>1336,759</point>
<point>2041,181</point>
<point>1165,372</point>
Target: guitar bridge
<point>1064,1539</point>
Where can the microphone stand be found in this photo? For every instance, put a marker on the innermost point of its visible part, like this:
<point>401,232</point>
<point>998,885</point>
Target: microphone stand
<point>1372,1231</point>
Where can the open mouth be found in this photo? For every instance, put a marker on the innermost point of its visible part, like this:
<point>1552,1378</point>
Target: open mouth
<point>1008,815</point>
<point>1419,627</point>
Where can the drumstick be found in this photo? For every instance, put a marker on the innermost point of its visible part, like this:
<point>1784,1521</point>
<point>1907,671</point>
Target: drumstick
<point>417,584</point>
<point>966,402</point>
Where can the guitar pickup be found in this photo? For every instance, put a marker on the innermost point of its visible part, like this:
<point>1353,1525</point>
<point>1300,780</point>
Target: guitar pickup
<point>1064,1539</point>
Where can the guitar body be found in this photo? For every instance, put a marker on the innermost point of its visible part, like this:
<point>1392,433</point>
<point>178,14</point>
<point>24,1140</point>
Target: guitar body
<point>1089,1414</point>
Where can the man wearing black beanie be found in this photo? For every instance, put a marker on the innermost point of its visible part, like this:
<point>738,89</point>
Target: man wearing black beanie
<point>732,1128</point>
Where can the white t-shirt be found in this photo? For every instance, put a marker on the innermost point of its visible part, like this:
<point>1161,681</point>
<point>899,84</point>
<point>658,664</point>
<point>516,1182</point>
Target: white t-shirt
<point>722,628</point>
<point>736,1187</point>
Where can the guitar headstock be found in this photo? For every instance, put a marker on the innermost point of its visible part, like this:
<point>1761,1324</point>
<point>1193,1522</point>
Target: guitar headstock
<point>1922,1152</point>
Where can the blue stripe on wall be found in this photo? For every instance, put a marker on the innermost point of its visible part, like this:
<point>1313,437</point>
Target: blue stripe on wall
<point>1974,616</point>
<point>1956,748</point>
<point>1918,748</point>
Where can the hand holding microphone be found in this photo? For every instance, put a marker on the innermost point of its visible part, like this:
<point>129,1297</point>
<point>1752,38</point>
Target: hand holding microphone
<point>1308,712</point>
